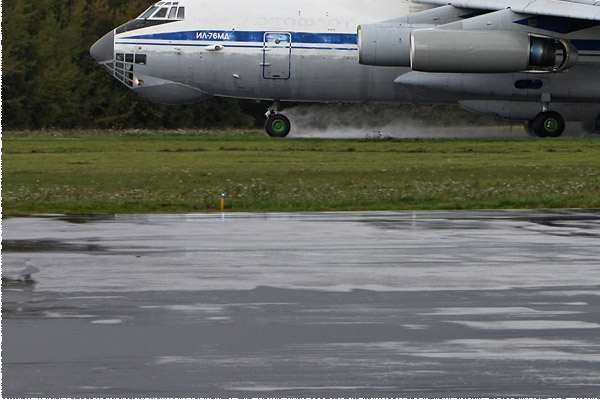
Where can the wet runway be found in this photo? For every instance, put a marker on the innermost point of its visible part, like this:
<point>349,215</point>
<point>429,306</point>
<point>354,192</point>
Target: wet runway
<point>406,304</point>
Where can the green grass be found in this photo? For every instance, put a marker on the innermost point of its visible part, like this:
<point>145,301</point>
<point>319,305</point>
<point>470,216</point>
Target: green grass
<point>168,172</point>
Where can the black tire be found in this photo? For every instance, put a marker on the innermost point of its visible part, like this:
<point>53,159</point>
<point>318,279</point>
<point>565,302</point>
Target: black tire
<point>548,124</point>
<point>278,125</point>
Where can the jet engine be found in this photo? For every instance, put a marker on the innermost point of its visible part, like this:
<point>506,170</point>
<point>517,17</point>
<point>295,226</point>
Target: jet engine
<point>384,44</point>
<point>488,51</point>
<point>462,51</point>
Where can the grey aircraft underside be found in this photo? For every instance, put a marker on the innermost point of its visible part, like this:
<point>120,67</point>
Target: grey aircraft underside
<point>532,60</point>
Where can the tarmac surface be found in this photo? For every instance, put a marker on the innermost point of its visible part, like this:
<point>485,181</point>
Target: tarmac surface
<point>386,304</point>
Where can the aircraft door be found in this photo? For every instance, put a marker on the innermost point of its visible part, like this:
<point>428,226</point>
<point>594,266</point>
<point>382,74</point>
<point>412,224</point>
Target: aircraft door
<point>277,55</point>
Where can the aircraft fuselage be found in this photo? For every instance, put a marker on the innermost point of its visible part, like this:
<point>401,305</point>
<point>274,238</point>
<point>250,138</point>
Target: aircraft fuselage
<point>309,51</point>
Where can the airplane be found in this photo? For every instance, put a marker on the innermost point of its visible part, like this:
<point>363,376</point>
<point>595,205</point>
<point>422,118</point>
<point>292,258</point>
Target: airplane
<point>22,278</point>
<point>536,61</point>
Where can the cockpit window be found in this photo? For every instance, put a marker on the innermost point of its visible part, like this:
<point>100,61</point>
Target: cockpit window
<point>164,10</point>
<point>161,13</point>
<point>148,12</point>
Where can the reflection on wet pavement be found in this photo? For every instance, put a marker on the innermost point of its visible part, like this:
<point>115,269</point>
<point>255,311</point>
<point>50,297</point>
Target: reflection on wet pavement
<point>450,304</point>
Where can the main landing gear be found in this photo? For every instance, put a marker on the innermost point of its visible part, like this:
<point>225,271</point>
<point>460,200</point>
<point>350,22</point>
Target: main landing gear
<point>277,125</point>
<point>546,124</point>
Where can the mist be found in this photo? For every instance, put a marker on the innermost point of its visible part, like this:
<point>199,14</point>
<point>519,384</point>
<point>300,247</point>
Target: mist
<point>394,121</point>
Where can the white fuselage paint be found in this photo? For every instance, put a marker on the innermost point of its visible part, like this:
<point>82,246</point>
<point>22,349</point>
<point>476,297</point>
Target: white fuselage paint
<point>307,51</point>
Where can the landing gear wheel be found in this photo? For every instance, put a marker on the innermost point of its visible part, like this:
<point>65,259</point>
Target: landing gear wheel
<point>548,124</point>
<point>278,125</point>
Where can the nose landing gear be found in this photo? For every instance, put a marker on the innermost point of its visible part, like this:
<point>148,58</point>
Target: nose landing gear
<point>278,125</point>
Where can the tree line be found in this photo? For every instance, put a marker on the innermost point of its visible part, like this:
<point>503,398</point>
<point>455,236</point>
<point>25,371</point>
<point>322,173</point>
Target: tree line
<point>49,79</point>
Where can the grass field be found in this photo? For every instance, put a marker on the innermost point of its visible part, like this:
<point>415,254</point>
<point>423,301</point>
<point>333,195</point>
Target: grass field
<point>168,172</point>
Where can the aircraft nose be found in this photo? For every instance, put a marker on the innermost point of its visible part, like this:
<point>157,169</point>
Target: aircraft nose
<point>104,49</point>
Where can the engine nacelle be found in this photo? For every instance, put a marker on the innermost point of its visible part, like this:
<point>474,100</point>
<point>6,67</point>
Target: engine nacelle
<point>384,44</point>
<point>487,51</point>
<point>461,51</point>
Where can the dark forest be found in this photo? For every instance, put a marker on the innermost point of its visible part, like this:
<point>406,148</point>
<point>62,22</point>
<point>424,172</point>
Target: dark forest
<point>49,80</point>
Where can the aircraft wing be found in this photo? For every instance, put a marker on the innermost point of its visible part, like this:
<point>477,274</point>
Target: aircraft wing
<point>579,9</point>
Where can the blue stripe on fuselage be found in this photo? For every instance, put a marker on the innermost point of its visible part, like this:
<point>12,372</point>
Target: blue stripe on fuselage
<point>586,44</point>
<point>558,24</point>
<point>305,40</point>
<point>248,37</point>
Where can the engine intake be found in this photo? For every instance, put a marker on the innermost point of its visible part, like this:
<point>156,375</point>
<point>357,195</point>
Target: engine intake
<point>384,44</point>
<point>488,51</point>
